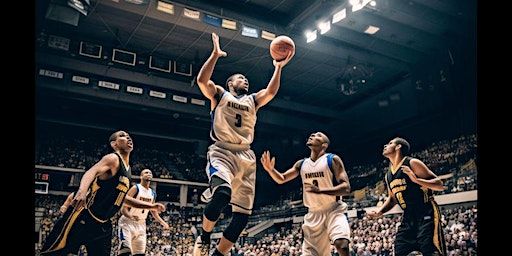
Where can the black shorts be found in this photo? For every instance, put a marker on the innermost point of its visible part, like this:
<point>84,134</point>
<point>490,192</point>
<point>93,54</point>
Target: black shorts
<point>75,228</point>
<point>421,232</point>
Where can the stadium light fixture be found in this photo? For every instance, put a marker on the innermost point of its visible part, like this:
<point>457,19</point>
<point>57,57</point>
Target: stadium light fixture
<point>371,30</point>
<point>339,15</point>
<point>324,27</point>
<point>311,36</point>
<point>359,5</point>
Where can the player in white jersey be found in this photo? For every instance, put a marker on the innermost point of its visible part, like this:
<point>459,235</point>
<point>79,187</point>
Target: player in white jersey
<point>231,167</point>
<point>324,181</point>
<point>132,224</point>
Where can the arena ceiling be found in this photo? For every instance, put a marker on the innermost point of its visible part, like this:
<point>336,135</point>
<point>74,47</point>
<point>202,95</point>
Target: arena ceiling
<point>410,32</point>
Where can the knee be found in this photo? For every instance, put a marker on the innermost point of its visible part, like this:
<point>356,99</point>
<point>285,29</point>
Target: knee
<point>237,225</point>
<point>124,251</point>
<point>220,199</point>
<point>341,245</point>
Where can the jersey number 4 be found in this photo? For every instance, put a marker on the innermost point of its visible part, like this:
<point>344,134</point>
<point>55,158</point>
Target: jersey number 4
<point>238,122</point>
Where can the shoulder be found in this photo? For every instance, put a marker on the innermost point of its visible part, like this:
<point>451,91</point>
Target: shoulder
<point>298,164</point>
<point>111,158</point>
<point>219,90</point>
<point>335,158</point>
<point>415,162</point>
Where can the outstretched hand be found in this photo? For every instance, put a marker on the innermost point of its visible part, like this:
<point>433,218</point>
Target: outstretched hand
<point>216,46</point>
<point>267,163</point>
<point>282,63</point>
<point>374,214</point>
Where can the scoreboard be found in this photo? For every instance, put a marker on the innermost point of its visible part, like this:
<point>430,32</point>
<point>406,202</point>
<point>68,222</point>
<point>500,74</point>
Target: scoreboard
<point>42,181</point>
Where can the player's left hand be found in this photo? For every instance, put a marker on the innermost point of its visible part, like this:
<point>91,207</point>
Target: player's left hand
<point>409,173</point>
<point>165,226</point>
<point>312,188</point>
<point>63,209</point>
<point>159,207</point>
<point>280,64</point>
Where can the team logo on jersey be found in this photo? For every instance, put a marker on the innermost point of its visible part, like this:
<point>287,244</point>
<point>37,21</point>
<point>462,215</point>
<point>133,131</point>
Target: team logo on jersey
<point>238,106</point>
<point>124,180</point>
<point>314,175</point>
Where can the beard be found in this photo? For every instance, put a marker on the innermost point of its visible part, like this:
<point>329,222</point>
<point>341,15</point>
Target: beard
<point>241,91</point>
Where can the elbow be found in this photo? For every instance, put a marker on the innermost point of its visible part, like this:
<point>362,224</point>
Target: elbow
<point>440,186</point>
<point>201,82</point>
<point>346,190</point>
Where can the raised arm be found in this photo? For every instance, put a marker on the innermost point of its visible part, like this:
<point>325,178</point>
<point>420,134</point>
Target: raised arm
<point>343,187</point>
<point>420,174</point>
<point>264,96</point>
<point>207,86</point>
<point>277,176</point>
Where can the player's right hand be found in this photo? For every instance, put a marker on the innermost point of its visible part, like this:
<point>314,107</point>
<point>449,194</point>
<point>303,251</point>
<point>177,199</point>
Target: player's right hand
<point>267,163</point>
<point>374,214</point>
<point>216,46</point>
<point>80,196</point>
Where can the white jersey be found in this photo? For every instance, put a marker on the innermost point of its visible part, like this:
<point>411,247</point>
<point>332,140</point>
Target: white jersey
<point>234,118</point>
<point>146,195</point>
<point>320,174</point>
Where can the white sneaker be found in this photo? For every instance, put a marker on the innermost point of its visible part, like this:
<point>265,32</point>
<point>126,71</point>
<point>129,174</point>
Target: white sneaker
<point>200,249</point>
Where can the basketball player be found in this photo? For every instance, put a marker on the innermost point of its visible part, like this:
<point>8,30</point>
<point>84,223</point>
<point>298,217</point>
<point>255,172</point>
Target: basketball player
<point>410,184</point>
<point>324,181</point>
<point>132,224</point>
<point>231,167</point>
<point>101,194</point>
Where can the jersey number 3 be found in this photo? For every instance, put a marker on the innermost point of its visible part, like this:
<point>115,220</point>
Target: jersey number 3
<point>238,122</point>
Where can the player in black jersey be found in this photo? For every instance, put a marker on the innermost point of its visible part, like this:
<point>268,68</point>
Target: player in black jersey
<point>100,196</point>
<point>410,183</point>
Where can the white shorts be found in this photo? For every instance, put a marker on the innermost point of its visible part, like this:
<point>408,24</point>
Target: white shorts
<point>132,236</point>
<point>322,228</point>
<point>235,164</point>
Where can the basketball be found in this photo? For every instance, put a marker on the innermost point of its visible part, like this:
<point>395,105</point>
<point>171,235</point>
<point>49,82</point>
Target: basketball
<point>280,46</point>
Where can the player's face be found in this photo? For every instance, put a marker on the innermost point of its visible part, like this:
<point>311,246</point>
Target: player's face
<point>240,84</point>
<point>315,139</point>
<point>124,141</point>
<point>389,148</point>
<point>146,175</point>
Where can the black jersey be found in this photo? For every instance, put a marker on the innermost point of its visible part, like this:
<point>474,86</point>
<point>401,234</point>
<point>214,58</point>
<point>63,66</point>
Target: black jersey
<point>409,195</point>
<point>105,197</point>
